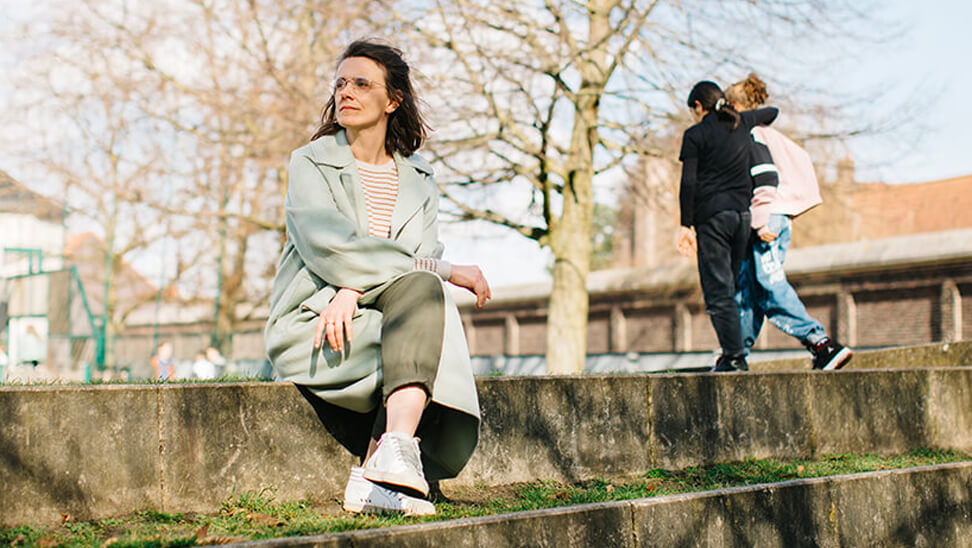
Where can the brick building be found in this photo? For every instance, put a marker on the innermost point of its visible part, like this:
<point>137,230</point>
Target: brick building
<point>877,264</point>
<point>894,291</point>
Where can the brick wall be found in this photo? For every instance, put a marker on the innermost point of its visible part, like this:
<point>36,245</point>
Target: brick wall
<point>889,307</point>
<point>649,329</point>
<point>966,292</point>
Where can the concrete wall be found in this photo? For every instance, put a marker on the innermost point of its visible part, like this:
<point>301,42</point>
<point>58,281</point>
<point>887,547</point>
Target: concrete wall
<point>929,506</point>
<point>106,450</point>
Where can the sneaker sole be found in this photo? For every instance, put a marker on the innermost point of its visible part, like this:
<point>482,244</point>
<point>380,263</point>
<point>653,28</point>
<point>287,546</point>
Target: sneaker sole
<point>362,508</point>
<point>839,360</point>
<point>398,480</point>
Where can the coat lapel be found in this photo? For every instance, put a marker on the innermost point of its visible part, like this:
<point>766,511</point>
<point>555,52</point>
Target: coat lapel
<point>412,191</point>
<point>413,186</point>
<point>334,151</point>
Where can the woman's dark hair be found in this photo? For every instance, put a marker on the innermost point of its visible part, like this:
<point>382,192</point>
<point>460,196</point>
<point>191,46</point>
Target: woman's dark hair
<point>710,96</point>
<point>407,129</point>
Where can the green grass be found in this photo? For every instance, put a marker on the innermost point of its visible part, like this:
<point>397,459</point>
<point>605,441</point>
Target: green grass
<point>258,515</point>
<point>95,382</point>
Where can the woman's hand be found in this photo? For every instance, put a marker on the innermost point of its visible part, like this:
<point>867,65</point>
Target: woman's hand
<point>334,323</point>
<point>471,278</point>
<point>686,241</point>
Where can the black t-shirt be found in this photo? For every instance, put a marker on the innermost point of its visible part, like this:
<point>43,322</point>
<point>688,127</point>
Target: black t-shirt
<point>715,166</point>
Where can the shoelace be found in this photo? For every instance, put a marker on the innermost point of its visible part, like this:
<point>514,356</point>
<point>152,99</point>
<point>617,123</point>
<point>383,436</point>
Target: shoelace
<point>409,454</point>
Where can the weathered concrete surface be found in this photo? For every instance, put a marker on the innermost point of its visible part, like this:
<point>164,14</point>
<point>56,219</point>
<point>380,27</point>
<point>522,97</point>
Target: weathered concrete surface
<point>787,514</point>
<point>220,441</point>
<point>99,451</point>
<point>560,428</point>
<point>78,452</point>
<point>711,418</point>
<point>927,355</point>
<point>929,506</point>
<point>925,507</point>
<point>602,524</point>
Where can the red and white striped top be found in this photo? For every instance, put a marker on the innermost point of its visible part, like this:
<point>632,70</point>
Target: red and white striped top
<point>380,185</point>
<point>380,188</point>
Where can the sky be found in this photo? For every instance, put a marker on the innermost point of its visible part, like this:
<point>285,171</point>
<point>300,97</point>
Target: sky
<point>928,65</point>
<point>934,58</point>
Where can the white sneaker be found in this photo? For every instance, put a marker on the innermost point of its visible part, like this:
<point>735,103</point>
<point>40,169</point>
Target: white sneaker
<point>397,461</point>
<point>363,496</point>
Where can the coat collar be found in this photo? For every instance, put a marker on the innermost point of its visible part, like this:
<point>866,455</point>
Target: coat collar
<point>334,151</point>
<point>413,171</point>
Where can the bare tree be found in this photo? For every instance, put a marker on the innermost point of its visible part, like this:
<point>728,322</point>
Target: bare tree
<point>221,91</point>
<point>550,96</point>
<point>87,131</point>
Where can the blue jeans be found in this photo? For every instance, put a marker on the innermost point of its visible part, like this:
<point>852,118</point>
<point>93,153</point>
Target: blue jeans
<point>763,291</point>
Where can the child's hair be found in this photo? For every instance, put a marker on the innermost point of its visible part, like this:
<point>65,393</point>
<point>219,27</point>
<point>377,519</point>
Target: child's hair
<point>710,96</point>
<point>749,93</point>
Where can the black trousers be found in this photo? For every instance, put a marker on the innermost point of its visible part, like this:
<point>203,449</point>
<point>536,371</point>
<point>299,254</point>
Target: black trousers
<point>722,243</point>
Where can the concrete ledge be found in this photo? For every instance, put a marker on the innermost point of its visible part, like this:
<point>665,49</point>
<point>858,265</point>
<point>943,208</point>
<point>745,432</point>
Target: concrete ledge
<point>927,506</point>
<point>99,451</point>
<point>927,355</point>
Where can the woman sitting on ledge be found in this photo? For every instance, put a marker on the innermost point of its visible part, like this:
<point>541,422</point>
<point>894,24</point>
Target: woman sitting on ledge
<point>359,314</point>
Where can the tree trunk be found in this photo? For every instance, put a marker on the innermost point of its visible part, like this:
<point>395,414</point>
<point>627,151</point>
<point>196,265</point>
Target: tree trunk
<point>571,245</point>
<point>571,234</point>
<point>567,318</point>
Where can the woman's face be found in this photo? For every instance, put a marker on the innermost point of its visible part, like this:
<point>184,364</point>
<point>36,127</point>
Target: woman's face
<point>697,112</point>
<point>362,102</point>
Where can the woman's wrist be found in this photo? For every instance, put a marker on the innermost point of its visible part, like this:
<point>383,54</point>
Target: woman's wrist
<point>349,291</point>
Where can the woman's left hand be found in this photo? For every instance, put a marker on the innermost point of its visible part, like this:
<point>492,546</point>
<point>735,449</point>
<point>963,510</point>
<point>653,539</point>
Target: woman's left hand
<point>334,324</point>
<point>471,277</point>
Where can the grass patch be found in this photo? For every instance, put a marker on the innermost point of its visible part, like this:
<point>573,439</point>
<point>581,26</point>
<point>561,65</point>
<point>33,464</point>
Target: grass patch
<point>258,515</point>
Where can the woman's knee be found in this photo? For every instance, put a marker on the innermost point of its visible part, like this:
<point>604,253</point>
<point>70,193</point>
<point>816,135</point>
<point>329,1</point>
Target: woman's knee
<point>422,283</point>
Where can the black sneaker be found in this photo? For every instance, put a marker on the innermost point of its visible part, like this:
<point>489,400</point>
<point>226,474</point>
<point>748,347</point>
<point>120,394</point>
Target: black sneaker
<point>829,355</point>
<point>730,363</point>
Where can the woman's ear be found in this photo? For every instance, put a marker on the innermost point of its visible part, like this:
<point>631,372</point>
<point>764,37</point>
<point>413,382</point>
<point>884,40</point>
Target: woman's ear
<point>393,103</point>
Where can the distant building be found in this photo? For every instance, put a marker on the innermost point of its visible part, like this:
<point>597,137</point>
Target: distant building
<point>31,241</point>
<point>878,264</point>
<point>851,211</point>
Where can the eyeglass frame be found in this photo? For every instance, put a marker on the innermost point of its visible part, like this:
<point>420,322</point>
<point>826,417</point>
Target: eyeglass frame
<point>340,83</point>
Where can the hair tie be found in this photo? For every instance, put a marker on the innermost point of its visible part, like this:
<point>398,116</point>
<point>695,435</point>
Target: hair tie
<point>719,104</point>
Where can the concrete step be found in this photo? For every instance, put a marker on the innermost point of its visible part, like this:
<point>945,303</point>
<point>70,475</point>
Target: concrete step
<point>926,506</point>
<point>926,355</point>
<point>99,451</point>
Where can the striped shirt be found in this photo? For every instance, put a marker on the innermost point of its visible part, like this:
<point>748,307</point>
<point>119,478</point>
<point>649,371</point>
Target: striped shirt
<point>380,187</point>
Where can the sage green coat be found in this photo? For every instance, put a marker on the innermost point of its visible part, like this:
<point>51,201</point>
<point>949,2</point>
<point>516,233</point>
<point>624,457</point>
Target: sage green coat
<point>328,248</point>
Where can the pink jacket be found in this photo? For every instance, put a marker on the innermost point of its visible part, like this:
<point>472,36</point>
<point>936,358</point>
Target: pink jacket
<point>798,190</point>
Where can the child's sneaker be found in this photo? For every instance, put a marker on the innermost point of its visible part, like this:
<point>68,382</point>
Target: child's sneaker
<point>829,355</point>
<point>362,495</point>
<point>730,363</point>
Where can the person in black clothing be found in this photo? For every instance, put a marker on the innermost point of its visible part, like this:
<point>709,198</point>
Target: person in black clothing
<point>714,197</point>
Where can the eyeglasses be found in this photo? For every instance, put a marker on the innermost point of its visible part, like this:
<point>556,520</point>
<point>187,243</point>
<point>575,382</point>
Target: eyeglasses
<point>357,84</point>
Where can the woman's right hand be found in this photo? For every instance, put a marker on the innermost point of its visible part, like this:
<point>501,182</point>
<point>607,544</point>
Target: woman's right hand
<point>685,243</point>
<point>334,324</point>
<point>471,277</point>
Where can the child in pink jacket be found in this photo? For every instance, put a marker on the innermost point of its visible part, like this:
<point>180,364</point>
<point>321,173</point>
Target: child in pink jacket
<point>763,291</point>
